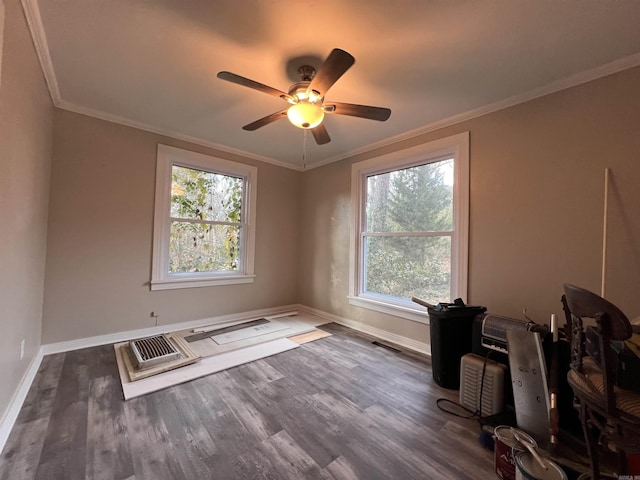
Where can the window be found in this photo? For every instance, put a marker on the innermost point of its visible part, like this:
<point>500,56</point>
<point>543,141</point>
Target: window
<point>204,224</point>
<point>410,228</point>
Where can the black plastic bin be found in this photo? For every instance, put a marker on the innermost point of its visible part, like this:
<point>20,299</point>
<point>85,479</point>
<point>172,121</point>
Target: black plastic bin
<point>451,328</point>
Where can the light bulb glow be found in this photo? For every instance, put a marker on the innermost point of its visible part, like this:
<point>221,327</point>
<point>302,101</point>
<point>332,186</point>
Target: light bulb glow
<point>305,115</point>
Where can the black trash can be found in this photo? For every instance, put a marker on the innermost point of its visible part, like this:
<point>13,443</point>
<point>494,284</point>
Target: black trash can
<point>451,327</point>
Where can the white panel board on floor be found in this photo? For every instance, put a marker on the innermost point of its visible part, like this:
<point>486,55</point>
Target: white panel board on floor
<point>249,332</point>
<point>295,326</point>
<point>206,366</point>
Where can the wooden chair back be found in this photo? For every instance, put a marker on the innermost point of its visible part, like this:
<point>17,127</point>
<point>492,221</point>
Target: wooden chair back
<point>611,324</point>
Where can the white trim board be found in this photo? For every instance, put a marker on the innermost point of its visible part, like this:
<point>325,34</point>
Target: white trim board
<point>255,331</point>
<point>206,366</point>
<point>109,338</point>
<point>59,347</point>
<point>303,323</point>
<point>219,357</point>
<point>409,343</point>
<point>15,405</point>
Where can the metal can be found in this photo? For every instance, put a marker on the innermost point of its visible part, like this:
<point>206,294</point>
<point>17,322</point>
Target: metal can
<point>527,468</point>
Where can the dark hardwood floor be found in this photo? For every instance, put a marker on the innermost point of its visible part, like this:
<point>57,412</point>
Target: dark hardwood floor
<point>336,408</point>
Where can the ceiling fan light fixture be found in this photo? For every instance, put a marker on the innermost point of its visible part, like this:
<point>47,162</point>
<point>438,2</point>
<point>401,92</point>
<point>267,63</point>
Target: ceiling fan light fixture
<point>305,115</point>
<point>306,97</point>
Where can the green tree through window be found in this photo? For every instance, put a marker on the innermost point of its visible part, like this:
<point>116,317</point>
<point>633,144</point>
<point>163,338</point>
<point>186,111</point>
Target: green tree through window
<point>407,238</point>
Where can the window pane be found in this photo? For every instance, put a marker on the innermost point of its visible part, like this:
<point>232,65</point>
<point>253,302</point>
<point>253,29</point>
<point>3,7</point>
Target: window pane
<point>416,199</point>
<point>200,195</point>
<point>199,247</point>
<point>409,266</point>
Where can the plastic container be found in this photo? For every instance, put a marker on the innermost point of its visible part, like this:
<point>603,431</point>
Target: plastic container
<point>451,329</point>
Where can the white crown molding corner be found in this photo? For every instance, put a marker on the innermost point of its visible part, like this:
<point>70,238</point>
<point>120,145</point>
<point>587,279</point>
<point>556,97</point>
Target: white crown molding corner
<point>34,20</point>
<point>69,345</point>
<point>11,413</point>
<point>409,343</point>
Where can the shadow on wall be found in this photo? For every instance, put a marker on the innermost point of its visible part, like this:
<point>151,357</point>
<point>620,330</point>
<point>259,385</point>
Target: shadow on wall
<point>340,243</point>
<point>622,211</point>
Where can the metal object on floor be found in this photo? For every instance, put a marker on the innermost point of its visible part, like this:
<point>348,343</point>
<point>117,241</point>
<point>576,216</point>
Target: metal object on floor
<point>151,351</point>
<point>210,333</point>
<point>529,379</point>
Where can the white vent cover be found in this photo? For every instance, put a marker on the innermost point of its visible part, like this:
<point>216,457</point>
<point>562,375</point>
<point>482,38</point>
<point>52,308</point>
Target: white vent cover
<point>151,351</point>
<point>471,382</point>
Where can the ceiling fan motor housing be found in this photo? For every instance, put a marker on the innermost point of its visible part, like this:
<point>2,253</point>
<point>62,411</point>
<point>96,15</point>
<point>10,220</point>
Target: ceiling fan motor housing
<point>299,92</point>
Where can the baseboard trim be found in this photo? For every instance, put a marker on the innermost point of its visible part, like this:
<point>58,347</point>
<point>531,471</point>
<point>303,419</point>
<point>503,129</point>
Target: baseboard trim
<point>11,413</point>
<point>406,342</point>
<point>67,346</point>
<point>117,337</point>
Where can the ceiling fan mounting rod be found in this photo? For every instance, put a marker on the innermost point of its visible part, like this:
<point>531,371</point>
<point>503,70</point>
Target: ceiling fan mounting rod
<point>306,73</point>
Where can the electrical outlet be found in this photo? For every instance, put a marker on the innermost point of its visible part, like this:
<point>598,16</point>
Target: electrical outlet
<point>154,314</point>
<point>22,349</point>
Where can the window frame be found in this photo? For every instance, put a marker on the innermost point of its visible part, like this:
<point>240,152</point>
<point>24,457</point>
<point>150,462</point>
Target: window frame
<point>161,278</point>
<point>456,147</point>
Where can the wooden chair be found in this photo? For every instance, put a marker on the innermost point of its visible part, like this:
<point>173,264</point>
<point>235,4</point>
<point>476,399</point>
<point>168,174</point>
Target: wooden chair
<point>608,413</point>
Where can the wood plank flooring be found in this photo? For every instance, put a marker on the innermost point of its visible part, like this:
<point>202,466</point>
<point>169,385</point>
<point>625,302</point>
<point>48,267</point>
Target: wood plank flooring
<point>336,408</point>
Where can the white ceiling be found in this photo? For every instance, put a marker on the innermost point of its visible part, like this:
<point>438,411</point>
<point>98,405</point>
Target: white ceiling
<point>153,63</point>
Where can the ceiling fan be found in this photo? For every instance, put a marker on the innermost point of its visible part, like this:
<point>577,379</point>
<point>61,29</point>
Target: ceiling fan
<point>306,97</point>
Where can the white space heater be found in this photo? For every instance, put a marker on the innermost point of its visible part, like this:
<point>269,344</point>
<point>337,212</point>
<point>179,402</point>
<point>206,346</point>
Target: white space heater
<point>472,381</point>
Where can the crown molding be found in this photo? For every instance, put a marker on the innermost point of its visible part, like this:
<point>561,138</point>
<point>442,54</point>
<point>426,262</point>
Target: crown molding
<point>34,21</point>
<point>99,114</point>
<point>553,87</point>
<point>32,14</point>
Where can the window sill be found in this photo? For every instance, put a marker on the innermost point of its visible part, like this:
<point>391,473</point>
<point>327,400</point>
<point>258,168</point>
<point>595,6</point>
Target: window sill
<point>174,283</point>
<point>412,314</point>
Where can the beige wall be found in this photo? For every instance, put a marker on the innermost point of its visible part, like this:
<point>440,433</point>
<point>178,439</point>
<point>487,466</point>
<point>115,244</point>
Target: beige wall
<point>100,239</point>
<point>536,219</point>
<point>26,122</point>
<point>536,215</point>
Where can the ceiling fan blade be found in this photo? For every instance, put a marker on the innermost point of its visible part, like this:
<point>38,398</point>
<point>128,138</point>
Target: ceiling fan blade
<point>320,134</point>
<point>331,70</point>
<point>363,111</point>
<point>245,82</point>
<point>265,120</point>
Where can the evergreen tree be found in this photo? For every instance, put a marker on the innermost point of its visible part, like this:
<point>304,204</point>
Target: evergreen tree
<point>416,199</point>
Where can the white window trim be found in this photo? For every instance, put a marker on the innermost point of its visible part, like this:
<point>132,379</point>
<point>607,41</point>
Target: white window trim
<point>456,146</point>
<point>161,279</point>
